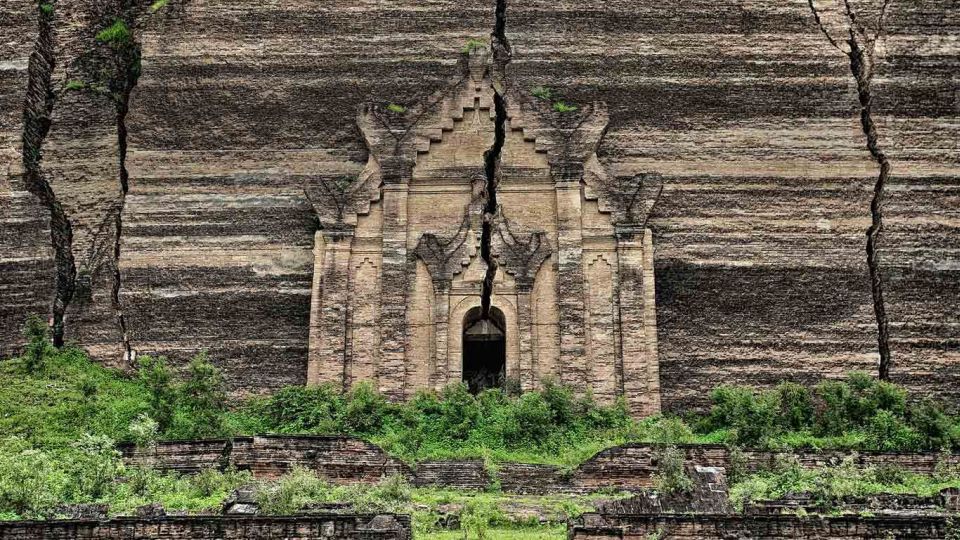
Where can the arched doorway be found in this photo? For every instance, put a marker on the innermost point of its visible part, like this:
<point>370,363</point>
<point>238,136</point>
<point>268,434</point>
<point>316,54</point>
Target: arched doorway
<point>484,350</point>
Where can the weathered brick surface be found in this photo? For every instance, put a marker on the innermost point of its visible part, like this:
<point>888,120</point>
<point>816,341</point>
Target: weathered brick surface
<point>722,527</point>
<point>457,474</point>
<point>312,527</point>
<point>339,459</point>
<point>350,460</point>
<point>747,115</point>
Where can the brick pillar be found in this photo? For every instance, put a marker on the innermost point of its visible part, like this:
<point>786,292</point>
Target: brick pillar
<point>396,173</point>
<point>652,403</point>
<point>566,177</point>
<point>441,322</point>
<point>528,371</point>
<point>327,356</point>
<point>632,310</point>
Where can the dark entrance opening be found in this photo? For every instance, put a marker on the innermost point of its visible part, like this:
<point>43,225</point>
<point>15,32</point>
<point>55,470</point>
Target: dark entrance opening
<point>484,350</point>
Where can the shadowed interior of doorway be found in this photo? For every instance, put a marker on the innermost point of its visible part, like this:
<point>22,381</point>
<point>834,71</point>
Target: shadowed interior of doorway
<point>484,350</point>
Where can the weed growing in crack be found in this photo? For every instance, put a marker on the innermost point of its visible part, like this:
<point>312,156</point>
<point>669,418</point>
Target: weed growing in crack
<point>395,108</point>
<point>46,8</point>
<point>563,107</point>
<point>116,35</point>
<point>74,85</point>
<point>474,44</point>
<point>158,5</point>
<point>542,92</point>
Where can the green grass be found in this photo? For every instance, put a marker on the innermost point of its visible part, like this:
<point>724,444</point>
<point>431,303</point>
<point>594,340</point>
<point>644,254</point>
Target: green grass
<point>69,397</point>
<point>829,484</point>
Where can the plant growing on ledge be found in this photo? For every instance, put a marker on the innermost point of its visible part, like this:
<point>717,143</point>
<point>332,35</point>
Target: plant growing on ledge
<point>46,8</point>
<point>562,107</point>
<point>74,85</point>
<point>398,109</point>
<point>542,92</point>
<point>474,44</point>
<point>158,5</point>
<point>117,34</point>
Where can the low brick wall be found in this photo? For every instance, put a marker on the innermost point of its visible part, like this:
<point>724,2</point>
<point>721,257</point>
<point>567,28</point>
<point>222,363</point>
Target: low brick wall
<point>723,527</point>
<point>181,456</point>
<point>349,460</point>
<point>921,463</point>
<point>457,474</point>
<point>311,527</point>
<point>339,459</point>
<point>633,466</point>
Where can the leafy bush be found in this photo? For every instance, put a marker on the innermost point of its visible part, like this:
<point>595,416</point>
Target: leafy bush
<point>752,415</point>
<point>292,492</point>
<point>859,412</point>
<point>200,401</point>
<point>92,467</point>
<point>38,344</point>
<point>887,432</point>
<point>796,405</point>
<point>672,474</point>
<point>30,482</point>
<point>934,428</point>
<point>157,379</point>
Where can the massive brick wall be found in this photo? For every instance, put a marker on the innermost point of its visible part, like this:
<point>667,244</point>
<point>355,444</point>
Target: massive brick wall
<point>314,527</point>
<point>239,105</point>
<point>745,109</point>
<point>752,118</point>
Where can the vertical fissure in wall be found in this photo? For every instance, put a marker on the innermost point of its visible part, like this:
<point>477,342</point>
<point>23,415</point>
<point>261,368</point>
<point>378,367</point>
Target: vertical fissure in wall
<point>861,41</point>
<point>127,60</point>
<point>38,108</point>
<point>492,157</point>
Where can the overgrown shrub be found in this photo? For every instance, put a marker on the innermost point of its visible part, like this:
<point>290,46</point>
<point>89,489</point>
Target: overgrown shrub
<point>796,405</point>
<point>292,492</point>
<point>753,415</point>
<point>887,432</point>
<point>671,476</point>
<point>38,344</point>
<point>30,482</point>
<point>157,380</point>
<point>200,401</point>
<point>92,465</point>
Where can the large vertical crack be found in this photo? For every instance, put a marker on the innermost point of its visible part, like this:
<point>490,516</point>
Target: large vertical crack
<point>501,56</point>
<point>127,59</point>
<point>38,108</point>
<point>861,42</point>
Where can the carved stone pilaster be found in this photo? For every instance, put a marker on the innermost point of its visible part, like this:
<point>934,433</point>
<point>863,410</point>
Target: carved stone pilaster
<point>520,254</point>
<point>445,256</point>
